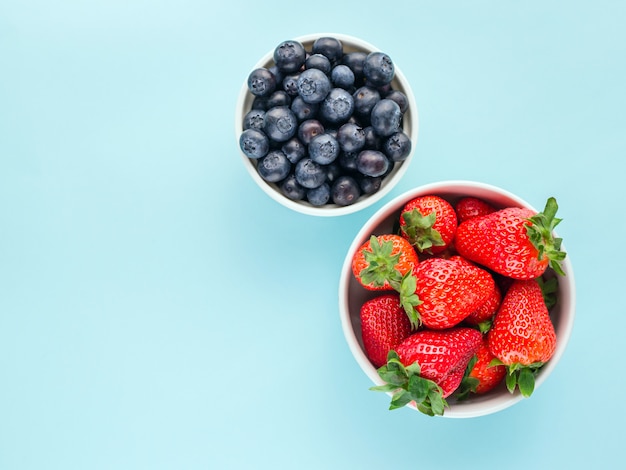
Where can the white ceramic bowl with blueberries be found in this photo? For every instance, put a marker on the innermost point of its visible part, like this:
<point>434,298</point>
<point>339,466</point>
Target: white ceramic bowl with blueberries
<point>352,295</point>
<point>326,124</point>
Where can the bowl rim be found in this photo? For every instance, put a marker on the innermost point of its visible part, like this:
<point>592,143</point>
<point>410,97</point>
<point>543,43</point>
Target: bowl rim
<point>332,210</point>
<point>482,406</point>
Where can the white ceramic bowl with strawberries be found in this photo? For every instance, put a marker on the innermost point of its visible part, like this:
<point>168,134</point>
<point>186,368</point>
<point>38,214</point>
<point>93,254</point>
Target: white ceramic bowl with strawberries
<point>352,295</point>
<point>350,200</point>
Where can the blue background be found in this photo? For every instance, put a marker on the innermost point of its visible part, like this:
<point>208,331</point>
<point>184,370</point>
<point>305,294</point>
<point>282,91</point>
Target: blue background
<point>159,311</point>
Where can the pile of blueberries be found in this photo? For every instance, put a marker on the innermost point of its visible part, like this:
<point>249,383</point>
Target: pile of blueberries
<point>325,126</point>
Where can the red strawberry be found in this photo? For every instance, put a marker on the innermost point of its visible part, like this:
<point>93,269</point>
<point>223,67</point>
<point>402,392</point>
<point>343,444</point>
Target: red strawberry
<point>429,223</point>
<point>384,325</point>
<point>469,207</point>
<point>382,261</point>
<point>449,291</point>
<point>427,367</point>
<point>522,336</point>
<point>515,242</point>
<point>483,315</point>
<point>481,376</point>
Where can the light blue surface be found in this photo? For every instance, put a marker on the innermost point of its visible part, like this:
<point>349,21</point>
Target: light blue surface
<point>159,311</point>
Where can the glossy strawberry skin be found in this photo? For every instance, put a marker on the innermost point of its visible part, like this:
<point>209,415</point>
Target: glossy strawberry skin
<point>445,219</point>
<point>442,355</point>
<point>384,325</point>
<point>407,262</point>
<point>470,207</point>
<point>487,309</point>
<point>450,291</point>
<point>522,332</point>
<point>488,376</point>
<point>500,242</point>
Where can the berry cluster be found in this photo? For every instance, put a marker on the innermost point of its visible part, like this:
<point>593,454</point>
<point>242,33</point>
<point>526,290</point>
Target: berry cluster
<point>325,125</point>
<point>462,302</point>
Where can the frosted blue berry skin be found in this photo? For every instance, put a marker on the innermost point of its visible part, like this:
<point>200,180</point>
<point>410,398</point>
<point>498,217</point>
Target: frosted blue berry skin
<point>337,107</point>
<point>309,129</point>
<point>289,56</point>
<point>294,150</point>
<point>309,173</point>
<point>378,69</point>
<point>386,117</point>
<point>320,195</point>
<point>323,149</point>
<point>274,167</point>
<point>341,76</point>
<point>254,119</point>
<point>254,143</point>
<point>280,124</point>
<point>351,137</point>
<point>261,82</point>
<point>330,47</point>
<point>397,146</point>
<point>313,85</point>
<point>318,61</point>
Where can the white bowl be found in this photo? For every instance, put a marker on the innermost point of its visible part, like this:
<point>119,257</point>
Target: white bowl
<point>352,295</point>
<point>409,126</point>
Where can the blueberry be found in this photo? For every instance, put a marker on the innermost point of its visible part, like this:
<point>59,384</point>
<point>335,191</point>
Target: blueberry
<point>309,174</point>
<point>365,98</point>
<point>302,109</point>
<point>254,143</point>
<point>278,98</point>
<point>289,56</point>
<point>320,195</point>
<point>274,167</point>
<point>333,171</point>
<point>309,129</point>
<point>290,84</point>
<point>345,191</point>
<point>400,98</point>
<point>341,76</point>
<point>372,140</point>
<point>292,189</point>
<point>254,119</point>
<point>372,163</point>
<point>261,82</point>
<point>386,117</point>
<point>356,61</point>
<point>294,150</point>
<point>351,137</point>
<point>280,123</point>
<point>337,107</point>
<point>330,47</point>
<point>378,68</point>
<point>318,61</point>
<point>313,85</point>
<point>370,184</point>
<point>397,146</point>
<point>323,149</point>
<point>347,160</point>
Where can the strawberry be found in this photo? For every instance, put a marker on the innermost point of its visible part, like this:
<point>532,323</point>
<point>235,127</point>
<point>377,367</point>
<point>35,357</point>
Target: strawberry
<point>515,242</point>
<point>469,207</point>
<point>429,223</point>
<point>480,376</point>
<point>427,367</point>
<point>383,326</point>
<point>380,262</point>
<point>449,290</point>
<point>483,315</point>
<point>522,336</point>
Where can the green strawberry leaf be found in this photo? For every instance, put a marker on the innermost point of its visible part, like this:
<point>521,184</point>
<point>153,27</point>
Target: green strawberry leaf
<point>409,299</point>
<point>419,230</point>
<point>540,233</point>
<point>549,289</point>
<point>381,264</point>
<point>526,382</point>
<point>407,385</point>
<point>468,384</point>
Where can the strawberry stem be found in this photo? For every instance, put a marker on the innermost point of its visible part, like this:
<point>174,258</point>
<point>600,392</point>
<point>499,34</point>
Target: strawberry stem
<point>540,233</point>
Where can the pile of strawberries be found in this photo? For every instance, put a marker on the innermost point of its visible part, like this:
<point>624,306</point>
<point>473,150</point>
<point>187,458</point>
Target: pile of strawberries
<point>463,300</point>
